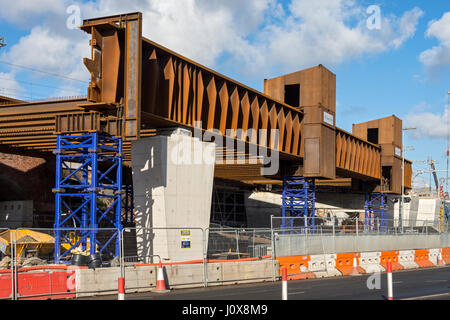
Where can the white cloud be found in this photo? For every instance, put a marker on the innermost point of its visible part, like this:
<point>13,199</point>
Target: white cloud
<point>256,37</point>
<point>321,31</point>
<point>428,124</point>
<point>9,86</point>
<point>21,11</point>
<point>45,49</point>
<point>438,56</point>
<point>50,51</point>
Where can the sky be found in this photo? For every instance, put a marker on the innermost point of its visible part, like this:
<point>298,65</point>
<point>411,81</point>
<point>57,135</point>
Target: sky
<point>389,56</point>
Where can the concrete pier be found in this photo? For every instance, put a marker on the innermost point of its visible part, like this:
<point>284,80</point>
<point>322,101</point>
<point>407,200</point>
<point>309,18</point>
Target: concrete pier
<point>173,176</point>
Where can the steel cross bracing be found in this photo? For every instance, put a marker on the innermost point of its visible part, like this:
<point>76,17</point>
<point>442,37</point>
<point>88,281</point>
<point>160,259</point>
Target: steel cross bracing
<point>298,200</point>
<point>375,207</point>
<point>88,194</point>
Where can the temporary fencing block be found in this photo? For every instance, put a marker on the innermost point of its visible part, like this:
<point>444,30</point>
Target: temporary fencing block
<point>6,290</point>
<point>370,262</point>
<point>407,260</point>
<point>392,257</point>
<point>344,263</point>
<point>421,257</point>
<point>297,267</point>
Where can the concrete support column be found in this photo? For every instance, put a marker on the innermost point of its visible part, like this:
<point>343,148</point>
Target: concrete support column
<point>173,177</point>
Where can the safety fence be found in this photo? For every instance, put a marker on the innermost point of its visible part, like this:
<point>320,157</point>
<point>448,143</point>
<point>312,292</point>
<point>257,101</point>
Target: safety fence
<point>30,271</point>
<point>189,256</point>
<point>342,226</point>
<point>331,235</point>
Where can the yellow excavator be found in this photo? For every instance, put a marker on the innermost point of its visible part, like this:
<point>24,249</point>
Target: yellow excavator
<point>33,243</point>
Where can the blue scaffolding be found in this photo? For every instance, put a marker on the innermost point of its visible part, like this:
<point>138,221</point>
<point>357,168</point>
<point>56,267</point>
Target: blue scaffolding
<point>375,207</point>
<point>298,200</point>
<point>88,193</point>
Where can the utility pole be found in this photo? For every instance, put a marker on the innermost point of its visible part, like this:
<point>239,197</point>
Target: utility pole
<point>400,211</point>
<point>448,142</point>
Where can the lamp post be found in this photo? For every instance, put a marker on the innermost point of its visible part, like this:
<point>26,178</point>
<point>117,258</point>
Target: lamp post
<point>448,134</point>
<point>400,215</point>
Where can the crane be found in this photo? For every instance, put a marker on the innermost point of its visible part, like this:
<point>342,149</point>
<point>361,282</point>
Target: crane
<point>433,171</point>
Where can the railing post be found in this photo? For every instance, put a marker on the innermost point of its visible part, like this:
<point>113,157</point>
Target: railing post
<point>237,243</point>
<point>378,225</point>
<point>334,223</point>
<point>205,259</point>
<point>306,224</point>
<point>357,231</point>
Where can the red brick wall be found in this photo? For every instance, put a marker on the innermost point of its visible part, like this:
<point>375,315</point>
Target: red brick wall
<point>28,178</point>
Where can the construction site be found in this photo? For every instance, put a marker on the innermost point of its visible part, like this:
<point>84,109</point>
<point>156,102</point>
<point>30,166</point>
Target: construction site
<point>168,165</point>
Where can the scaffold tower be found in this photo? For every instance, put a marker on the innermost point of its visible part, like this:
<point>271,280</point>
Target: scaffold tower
<point>88,194</point>
<point>375,208</point>
<point>298,200</point>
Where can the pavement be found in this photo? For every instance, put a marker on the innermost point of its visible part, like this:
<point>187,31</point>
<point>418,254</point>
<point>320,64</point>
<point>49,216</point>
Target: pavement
<point>419,284</point>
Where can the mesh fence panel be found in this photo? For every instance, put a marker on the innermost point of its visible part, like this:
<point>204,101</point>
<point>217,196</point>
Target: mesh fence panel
<point>239,243</point>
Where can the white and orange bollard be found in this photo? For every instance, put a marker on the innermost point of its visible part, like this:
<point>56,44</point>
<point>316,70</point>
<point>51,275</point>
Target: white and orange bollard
<point>284,292</point>
<point>160,282</point>
<point>440,260</point>
<point>355,271</point>
<point>121,291</point>
<point>389,281</point>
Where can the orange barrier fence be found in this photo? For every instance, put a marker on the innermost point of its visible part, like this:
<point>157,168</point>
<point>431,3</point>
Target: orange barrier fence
<point>446,255</point>
<point>344,263</point>
<point>421,257</point>
<point>392,257</point>
<point>296,266</point>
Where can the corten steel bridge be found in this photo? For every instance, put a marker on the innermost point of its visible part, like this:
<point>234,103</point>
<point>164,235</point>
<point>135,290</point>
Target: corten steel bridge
<point>137,86</point>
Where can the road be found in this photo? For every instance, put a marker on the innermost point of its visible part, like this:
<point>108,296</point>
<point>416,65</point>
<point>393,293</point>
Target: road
<point>421,284</point>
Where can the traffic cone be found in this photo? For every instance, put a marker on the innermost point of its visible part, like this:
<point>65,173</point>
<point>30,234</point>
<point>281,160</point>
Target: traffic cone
<point>121,289</point>
<point>440,260</point>
<point>355,271</point>
<point>389,281</point>
<point>160,283</point>
<point>284,290</point>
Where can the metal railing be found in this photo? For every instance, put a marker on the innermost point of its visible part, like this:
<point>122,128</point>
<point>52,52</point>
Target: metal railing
<point>347,226</point>
<point>205,251</point>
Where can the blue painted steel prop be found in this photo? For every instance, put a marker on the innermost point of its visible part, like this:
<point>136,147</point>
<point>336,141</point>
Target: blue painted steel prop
<point>89,193</point>
<point>375,206</point>
<point>298,200</point>
<point>446,210</point>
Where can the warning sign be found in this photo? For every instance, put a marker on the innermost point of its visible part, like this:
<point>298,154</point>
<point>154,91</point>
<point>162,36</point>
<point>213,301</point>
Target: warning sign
<point>185,239</point>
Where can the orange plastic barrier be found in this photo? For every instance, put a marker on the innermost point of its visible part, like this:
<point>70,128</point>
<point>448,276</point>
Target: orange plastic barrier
<point>421,257</point>
<point>294,266</point>
<point>446,255</point>
<point>392,257</point>
<point>45,285</point>
<point>344,263</point>
<point>5,286</point>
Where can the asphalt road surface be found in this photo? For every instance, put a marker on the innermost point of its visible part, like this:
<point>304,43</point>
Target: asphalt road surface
<point>421,284</point>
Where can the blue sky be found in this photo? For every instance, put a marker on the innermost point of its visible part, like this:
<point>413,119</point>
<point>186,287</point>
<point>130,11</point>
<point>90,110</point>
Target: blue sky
<point>402,68</point>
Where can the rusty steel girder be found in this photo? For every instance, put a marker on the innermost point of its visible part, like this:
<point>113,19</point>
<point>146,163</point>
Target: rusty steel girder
<point>138,86</point>
<point>155,87</point>
<point>357,157</point>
